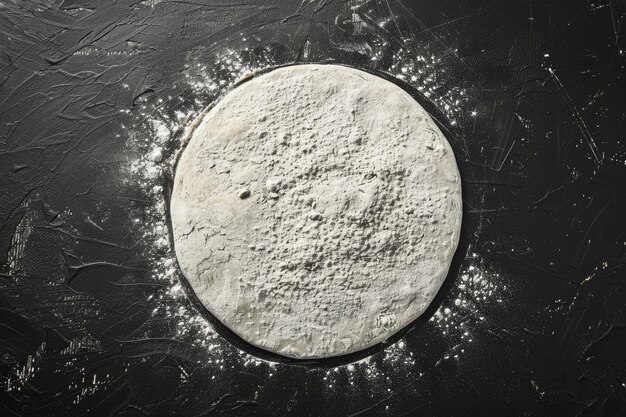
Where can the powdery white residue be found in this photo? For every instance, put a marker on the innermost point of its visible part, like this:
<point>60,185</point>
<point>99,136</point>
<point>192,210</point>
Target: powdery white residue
<point>428,74</point>
<point>151,142</point>
<point>463,311</point>
<point>155,145</point>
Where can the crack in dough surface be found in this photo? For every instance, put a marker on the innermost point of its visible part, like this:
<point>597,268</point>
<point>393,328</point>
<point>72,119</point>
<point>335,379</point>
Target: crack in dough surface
<point>316,210</point>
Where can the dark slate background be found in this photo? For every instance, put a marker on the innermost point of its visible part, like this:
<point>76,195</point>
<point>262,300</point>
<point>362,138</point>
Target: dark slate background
<point>543,165</point>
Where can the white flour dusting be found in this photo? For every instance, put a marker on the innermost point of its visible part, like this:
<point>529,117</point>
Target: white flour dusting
<point>207,85</point>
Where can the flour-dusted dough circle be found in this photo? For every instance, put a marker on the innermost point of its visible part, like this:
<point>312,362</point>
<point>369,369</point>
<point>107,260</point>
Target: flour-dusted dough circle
<point>316,210</point>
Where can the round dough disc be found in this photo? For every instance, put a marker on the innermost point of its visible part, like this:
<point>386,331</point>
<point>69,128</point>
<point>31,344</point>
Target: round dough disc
<point>316,210</point>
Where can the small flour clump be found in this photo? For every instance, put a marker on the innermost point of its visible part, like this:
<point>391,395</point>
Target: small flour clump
<point>316,210</point>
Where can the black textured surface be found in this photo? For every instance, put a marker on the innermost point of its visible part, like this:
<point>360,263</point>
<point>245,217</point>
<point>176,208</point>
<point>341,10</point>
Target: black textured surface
<point>543,162</point>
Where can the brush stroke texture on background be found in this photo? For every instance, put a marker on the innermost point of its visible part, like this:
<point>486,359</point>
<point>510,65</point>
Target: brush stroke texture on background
<point>542,160</point>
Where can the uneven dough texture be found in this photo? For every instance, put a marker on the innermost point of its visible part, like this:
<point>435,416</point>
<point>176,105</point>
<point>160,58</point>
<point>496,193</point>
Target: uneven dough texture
<point>316,210</point>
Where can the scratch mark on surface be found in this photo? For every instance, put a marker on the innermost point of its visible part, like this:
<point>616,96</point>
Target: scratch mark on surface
<point>581,122</point>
